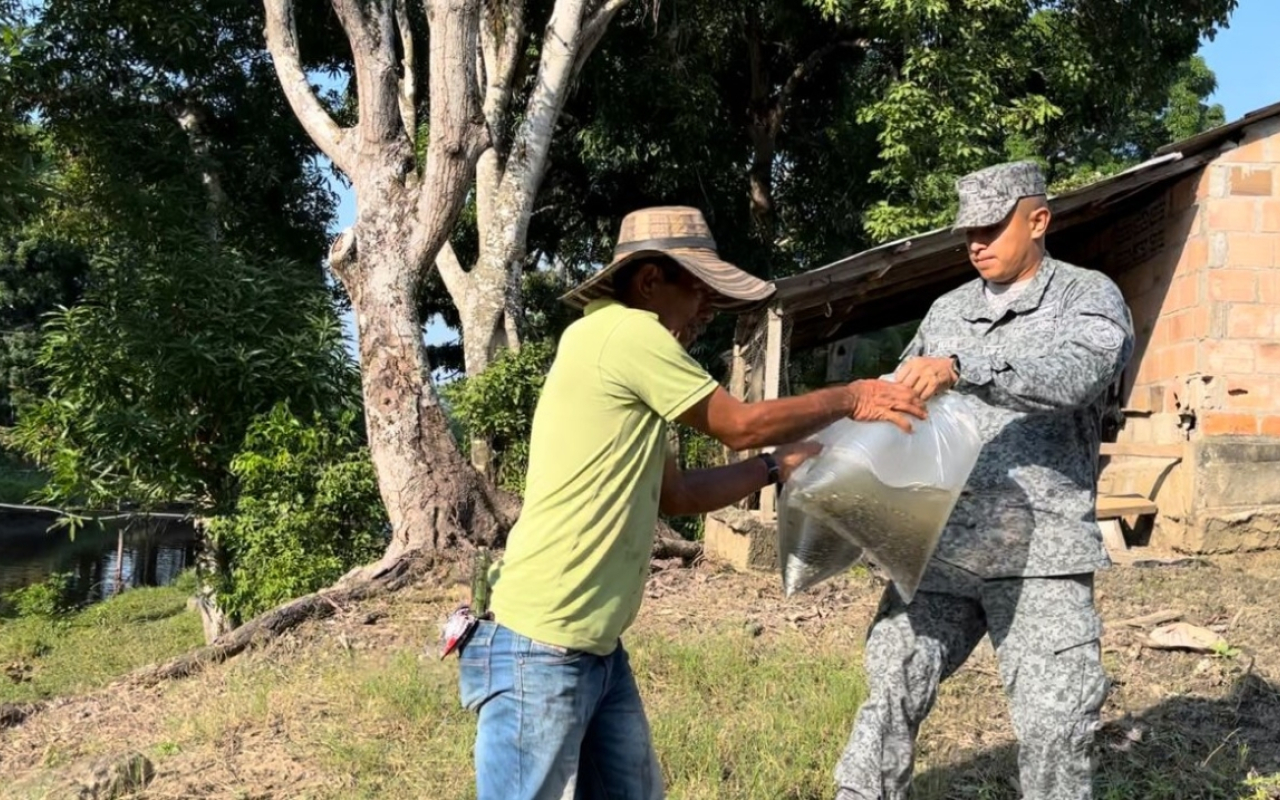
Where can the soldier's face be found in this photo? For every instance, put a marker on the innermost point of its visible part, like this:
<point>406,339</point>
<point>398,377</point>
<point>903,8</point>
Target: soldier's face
<point>1011,249</point>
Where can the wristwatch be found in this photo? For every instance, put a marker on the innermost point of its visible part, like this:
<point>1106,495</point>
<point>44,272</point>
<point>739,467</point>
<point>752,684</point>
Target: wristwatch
<point>775,473</point>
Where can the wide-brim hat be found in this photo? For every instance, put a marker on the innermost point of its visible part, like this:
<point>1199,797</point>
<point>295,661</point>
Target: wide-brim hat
<point>681,234</point>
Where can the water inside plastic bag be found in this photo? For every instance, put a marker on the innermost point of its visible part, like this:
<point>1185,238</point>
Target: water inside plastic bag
<point>886,493</point>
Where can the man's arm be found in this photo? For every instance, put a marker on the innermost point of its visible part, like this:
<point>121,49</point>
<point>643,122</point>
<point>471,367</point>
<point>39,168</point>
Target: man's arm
<point>744,426</point>
<point>1094,342</point>
<point>702,491</point>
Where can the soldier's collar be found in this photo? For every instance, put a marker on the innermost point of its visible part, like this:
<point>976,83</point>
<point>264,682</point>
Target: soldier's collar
<point>979,308</point>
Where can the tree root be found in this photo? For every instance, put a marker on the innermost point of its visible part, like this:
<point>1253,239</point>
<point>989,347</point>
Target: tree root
<point>272,624</point>
<point>667,545</point>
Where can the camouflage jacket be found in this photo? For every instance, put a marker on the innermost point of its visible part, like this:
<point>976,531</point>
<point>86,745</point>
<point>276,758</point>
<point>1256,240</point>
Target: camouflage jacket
<point>1037,373</point>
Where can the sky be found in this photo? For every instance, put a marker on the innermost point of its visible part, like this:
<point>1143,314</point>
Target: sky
<point>1242,57</point>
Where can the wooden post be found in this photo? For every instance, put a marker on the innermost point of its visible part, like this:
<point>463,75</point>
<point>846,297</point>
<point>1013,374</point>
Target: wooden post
<point>120,560</point>
<point>772,384</point>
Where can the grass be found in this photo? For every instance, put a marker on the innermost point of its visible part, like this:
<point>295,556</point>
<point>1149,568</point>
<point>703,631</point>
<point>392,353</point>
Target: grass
<point>87,649</point>
<point>343,710</point>
<point>732,717</point>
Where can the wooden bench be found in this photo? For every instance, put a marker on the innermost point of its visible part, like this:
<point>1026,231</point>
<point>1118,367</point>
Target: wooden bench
<point>1112,509</point>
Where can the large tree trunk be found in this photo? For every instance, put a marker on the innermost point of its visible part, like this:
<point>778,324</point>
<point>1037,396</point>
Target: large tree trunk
<point>404,213</point>
<point>433,499</point>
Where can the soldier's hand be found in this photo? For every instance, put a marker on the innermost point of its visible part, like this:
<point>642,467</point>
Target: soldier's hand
<point>928,376</point>
<point>791,456</point>
<point>885,401</point>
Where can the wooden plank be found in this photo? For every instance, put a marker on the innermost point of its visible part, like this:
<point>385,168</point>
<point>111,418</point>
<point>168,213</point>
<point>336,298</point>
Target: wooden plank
<point>1142,449</point>
<point>1115,506</point>
<point>1113,536</point>
<point>772,384</point>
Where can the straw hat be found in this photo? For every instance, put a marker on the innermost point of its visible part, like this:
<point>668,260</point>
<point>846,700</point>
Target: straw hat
<point>681,234</point>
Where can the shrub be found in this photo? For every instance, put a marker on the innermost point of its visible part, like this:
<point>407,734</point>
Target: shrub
<point>308,510</point>
<point>49,599</point>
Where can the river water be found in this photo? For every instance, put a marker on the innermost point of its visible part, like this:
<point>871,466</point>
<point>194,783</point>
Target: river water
<point>155,553</point>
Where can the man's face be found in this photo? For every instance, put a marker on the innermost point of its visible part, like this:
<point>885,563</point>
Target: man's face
<point>1004,252</point>
<point>684,306</point>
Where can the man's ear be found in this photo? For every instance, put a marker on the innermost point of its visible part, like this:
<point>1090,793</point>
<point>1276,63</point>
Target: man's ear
<point>647,277</point>
<point>1038,221</point>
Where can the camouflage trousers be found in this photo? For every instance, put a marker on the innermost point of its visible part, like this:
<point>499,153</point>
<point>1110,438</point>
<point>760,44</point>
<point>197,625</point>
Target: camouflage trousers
<point>1046,637</point>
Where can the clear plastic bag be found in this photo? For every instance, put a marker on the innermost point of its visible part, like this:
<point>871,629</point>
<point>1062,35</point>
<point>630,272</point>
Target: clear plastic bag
<point>808,551</point>
<point>886,492</point>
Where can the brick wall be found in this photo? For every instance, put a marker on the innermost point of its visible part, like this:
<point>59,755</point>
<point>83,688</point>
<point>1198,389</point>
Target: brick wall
<point>1206,370</point>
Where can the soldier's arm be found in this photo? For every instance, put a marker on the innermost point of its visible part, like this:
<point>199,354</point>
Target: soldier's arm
<point>1093,342</point>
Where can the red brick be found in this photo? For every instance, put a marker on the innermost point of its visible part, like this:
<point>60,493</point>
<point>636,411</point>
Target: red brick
<point>1217,423</point>
<point>1249,181</point>
<point>1204,183</point>
<point>1254,152</point>
<point>1147,368</point>
<point>1184,292</point>
<point>1194,256</point>
<point>1251,250</point>
<point>1240,285</point>
<point>1270,426</point>
<point>1269,286</point>
<point>1189,325</point>
<point>1251,321</point>
<point>1225,356</point>
<point>1251,393</point>
<point>1270,219</point>
<point>1232,215</point>
<point>1267,357</point>
<point>1178,360</point>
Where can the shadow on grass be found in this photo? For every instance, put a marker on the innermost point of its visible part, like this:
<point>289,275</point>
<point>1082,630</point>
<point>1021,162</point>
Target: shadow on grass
<point>1185,748</point>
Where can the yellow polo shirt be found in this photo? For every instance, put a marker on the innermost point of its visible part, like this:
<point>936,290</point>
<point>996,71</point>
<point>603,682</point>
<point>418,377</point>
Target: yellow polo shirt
<point>574,569</point>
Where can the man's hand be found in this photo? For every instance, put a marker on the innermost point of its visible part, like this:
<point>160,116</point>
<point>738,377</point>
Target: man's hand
<point>885,401</point>
<point>928,376</point>
<point>791,456</point>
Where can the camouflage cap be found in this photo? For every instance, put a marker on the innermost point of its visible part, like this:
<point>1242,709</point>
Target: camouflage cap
<point>988,195</point>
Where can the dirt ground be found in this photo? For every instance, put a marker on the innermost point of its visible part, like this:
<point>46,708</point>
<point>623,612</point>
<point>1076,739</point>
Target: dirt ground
<point>1173,718</point>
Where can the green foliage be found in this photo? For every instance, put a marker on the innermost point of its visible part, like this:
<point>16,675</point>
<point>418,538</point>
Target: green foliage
<point>498,405</point>
<point>47,600</point>
<point>695,450</point>
<point>38,274</point>
<point>154,379</point>
<point>308,510</point>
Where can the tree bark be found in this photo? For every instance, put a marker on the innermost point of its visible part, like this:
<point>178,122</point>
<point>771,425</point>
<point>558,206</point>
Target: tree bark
<point>404,213</point>
<point>489,295</point>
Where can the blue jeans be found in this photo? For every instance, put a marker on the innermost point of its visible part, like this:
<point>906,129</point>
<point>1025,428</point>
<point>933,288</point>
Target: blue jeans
<point>555,724</point>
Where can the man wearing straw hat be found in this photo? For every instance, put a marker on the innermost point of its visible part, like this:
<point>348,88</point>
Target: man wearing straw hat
<point>559,712</point>
<point>1035,343</point>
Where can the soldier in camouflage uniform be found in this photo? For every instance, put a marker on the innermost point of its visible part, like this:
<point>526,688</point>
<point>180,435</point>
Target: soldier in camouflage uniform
<point>1035,342</point>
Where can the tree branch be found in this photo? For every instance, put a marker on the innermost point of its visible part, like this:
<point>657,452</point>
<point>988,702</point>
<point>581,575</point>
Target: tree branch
<point>282,42</point>
<point>457,126</point>
<point>500,47</point>
<point>593,31</point>
<point>807,66</point>
<point>408,78</point>
<point>371,31</point>
<point>451,272</point>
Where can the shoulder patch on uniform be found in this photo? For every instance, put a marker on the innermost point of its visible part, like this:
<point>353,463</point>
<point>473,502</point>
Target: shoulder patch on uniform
<point>1103,335</point>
